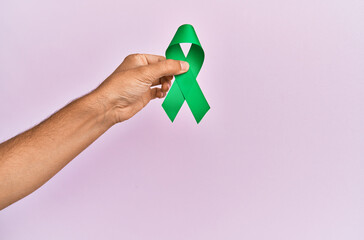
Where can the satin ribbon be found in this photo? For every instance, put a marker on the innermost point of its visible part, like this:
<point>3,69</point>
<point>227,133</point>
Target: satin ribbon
<point>185,86</point>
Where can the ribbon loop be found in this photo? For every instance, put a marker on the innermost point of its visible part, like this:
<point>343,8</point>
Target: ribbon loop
<point>185,87</point>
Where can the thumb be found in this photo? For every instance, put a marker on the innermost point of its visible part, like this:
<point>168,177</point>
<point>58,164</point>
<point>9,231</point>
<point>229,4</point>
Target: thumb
<point>169,67</point>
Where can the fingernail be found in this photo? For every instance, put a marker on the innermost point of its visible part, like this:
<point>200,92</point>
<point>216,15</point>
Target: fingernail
<point>184,66</point>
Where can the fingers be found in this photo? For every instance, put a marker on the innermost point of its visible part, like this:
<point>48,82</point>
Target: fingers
<point>166,84</point>
<point>153,72</point>
<point>162,80</point>
<point>156,93</point>
<point>161,92</point>
<point>137,60</point>
<point>153,58</point>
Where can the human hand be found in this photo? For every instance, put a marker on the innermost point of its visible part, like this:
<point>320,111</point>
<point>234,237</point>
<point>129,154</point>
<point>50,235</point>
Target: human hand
<point>131,86</point>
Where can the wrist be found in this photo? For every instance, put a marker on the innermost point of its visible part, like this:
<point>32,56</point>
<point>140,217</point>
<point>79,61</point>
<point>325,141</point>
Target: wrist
<point>100,107</point>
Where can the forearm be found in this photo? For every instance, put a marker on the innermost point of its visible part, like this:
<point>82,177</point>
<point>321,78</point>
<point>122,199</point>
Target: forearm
<point>30,159</point>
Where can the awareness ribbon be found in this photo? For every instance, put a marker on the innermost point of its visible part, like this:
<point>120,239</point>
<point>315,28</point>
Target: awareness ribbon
<point>185,86</point>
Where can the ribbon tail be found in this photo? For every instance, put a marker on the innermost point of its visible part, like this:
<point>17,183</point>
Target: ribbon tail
<point>197,102</point>
<point>173,101</point>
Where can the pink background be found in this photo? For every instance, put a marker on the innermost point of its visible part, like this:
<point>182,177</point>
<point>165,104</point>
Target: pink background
<point>280,155</point>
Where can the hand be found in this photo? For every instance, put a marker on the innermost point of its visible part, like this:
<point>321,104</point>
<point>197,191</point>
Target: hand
<point>129,88</point>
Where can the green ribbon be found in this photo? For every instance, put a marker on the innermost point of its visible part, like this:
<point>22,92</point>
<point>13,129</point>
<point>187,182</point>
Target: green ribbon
<point>185,86</point>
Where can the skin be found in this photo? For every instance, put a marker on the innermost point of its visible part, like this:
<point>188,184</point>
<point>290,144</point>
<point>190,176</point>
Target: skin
<point>30,159</point>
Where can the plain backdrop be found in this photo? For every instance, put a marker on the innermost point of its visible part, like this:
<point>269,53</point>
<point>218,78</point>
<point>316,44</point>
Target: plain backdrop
<point>280,155</point>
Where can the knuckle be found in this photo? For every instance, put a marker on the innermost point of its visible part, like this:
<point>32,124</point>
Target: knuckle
<point>134,57</point>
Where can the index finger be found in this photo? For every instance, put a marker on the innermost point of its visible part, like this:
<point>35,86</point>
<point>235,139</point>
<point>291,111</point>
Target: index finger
<point>153,58</point>
<point>138,60</point>
<point>169,67</point>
